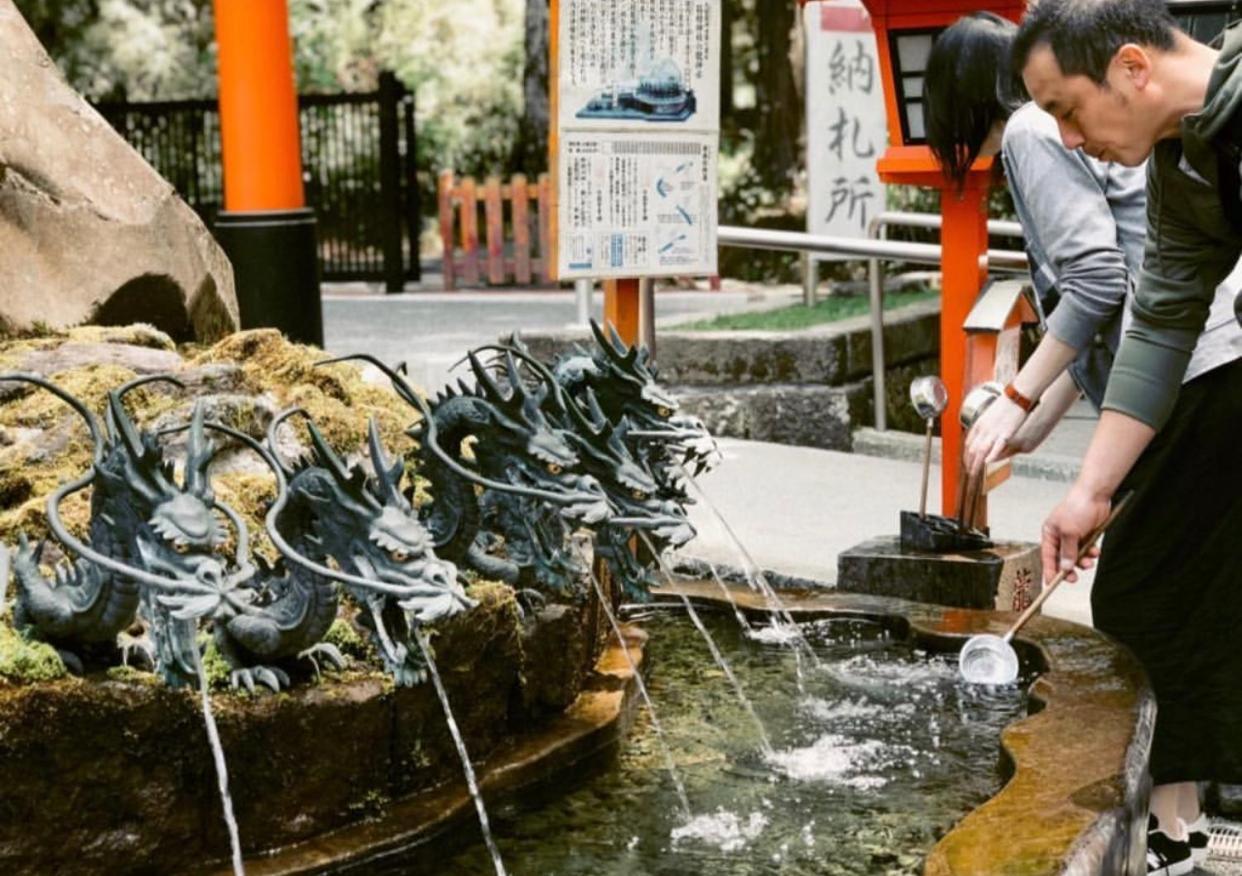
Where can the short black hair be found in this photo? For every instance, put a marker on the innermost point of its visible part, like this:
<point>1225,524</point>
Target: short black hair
<point>968,87</point>
<point>1084,35</point>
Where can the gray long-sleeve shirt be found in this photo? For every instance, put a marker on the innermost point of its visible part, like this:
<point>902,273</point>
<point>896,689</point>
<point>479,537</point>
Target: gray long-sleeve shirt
<point>1085,222</point>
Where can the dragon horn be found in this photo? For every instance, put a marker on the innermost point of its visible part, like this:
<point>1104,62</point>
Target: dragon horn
<point>387,476</point>
<point>558,393</point>
<point>628,354</point>
<point>118,418</point>
<point>326,454</point>
<point>489,386</point>
<point>197,456</point>
<point>82,410</point>
<point>605,342</point>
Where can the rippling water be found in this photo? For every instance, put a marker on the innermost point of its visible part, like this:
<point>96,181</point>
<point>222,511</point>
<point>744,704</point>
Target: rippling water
<point>884,753</point>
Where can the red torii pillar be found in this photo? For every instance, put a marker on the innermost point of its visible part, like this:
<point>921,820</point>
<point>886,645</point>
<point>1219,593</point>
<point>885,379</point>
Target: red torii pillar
<point>265,227</point>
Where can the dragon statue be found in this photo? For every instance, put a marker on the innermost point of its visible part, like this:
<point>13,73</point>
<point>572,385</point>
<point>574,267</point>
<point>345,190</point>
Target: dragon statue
<point>156,551</point>
<point>638,501</point>
<point>383,554</point>
<point>519,484</point>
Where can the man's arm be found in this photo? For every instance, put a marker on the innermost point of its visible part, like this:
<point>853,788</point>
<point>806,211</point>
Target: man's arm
<point>1118,442</point>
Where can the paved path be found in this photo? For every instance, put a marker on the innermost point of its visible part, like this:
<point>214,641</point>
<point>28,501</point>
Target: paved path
<point>432,330</point>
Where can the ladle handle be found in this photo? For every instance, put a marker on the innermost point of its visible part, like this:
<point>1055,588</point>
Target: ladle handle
<point>1086,545</point>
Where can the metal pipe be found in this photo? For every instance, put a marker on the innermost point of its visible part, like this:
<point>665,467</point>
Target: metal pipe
<point>875,289</point>
<point>894,250</point>
<point>999,227</point>
<point>583,290</point>
<point>810,279</point>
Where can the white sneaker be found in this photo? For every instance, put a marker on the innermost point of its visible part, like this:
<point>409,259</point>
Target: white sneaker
<point>1197,833</point>
<point>1165,855</point>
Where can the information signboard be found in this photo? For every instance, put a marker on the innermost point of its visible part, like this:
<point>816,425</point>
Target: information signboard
<point>638,130</point>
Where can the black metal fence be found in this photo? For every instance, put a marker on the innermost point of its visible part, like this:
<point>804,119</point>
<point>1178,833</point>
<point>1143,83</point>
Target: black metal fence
<point>358,160</point>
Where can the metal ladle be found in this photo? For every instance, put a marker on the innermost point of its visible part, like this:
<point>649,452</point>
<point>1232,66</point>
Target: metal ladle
<point>990,659</point>
<point>930,397</point>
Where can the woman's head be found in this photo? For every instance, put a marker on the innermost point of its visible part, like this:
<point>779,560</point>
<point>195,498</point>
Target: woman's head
<point>969,90</point>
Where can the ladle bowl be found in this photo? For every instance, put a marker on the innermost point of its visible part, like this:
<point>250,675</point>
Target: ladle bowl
<point>988,659</point>
<point>929,396</point>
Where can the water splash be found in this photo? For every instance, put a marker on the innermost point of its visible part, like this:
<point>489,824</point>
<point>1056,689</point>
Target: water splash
<point>833,759</point>
<point>222,770</point>
<point>467,768</point>
<point>754,575</point>
<point>669,764</point>
<point>722,829</point>
<point>711,646</point>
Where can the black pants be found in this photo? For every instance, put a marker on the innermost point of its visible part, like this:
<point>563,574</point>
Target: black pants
<point>1169,584</point>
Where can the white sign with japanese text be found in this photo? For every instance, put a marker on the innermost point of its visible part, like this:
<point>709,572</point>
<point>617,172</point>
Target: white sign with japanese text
<point>639,129</point>
<point>846,126</point>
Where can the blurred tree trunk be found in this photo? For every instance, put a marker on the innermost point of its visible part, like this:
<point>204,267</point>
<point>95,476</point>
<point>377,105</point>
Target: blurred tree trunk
<point>726,58</point>
<point>531,149</point>
<point>778,105</point>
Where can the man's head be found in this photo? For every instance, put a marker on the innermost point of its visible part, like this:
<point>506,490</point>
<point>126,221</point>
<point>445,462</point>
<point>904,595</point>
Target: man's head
<point>1089,64</point>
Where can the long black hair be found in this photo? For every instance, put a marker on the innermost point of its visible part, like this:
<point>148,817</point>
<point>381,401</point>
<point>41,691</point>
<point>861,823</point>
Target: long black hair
<point>969,87</point>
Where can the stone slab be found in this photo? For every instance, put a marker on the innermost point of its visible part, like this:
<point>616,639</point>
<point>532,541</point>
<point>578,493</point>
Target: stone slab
<point>1005,577</point>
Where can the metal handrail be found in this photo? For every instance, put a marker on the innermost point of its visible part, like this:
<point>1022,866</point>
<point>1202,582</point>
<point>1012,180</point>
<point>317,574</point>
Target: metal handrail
<point>874,250</point>
<point>875,289</point>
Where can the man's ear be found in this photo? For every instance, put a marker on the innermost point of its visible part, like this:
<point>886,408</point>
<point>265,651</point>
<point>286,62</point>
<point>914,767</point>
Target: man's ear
<point>1133,63</point>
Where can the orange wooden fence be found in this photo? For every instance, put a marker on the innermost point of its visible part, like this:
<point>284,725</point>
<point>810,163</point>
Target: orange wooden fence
<point>503,260</point>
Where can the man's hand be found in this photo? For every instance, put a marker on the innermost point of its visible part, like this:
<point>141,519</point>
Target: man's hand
<point>1065,529</point>
<point>988,440</point>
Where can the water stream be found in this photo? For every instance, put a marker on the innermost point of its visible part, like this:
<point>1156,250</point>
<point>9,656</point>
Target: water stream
<point>471,782</point>
<point>712,646</point>
<point>670,764</point>
<point>222,769</point>
<point>755,577</point>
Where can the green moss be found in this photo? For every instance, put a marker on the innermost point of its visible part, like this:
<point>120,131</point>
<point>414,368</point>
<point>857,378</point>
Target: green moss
<point>343,635</point>
<point>26,661</point>
<point>214,664</point>
<point>131,675</point>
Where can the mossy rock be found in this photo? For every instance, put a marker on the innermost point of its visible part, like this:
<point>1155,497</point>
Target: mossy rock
<point>27,661</point>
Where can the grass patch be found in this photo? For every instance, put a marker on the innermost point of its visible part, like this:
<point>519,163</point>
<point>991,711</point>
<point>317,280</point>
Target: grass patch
<point>799,316</point>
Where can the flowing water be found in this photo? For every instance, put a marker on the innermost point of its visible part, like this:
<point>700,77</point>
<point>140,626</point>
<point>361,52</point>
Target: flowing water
<point>719,657</point>
<point>888,750</point>
<point>222,770</point>
<point>786,627</point>
<point>471,782</point>
<point>670,765</point>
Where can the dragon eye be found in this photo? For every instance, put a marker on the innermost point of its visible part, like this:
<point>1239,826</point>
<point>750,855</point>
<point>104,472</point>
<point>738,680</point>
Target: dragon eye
<point>399,555</point>
<point>639,495</point>
<point>181,547</point>
<point>555,469</point>
<point>664,412</point>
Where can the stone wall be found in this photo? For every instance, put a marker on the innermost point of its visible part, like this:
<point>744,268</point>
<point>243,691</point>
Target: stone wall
<point>811,388</point>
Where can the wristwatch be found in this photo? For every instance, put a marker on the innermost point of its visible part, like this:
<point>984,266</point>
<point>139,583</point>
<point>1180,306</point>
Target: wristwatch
<point>1019,399</point>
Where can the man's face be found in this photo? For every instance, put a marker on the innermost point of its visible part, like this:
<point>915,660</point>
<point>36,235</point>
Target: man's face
<point>1107,121</point>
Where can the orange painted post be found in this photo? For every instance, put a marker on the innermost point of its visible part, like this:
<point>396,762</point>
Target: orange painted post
<point>444,192</point>
<point>493,208</point>
<point>469,231</point>
<point>621,307</point>
<point>519,191</point>
<point>964,239</point>
<point>265,228</point>
<point>547,226</point>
